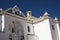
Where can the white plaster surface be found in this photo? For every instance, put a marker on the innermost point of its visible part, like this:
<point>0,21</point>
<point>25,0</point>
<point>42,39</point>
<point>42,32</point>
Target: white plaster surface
<point>42,30</point>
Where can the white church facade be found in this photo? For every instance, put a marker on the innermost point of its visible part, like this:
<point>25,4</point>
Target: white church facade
<point>14,25</point>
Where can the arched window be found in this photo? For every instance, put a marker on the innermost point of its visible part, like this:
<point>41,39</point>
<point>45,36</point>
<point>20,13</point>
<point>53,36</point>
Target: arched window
<point>28,29</point>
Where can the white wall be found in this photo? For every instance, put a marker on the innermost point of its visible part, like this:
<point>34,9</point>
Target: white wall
<point>57,30</point>
<point>32,37</point>
<point>31,28</point>
<point>0,22</point>
<point>2,33</point>
<point>55,34</point>
<point>42,30</point>
<point>8,20</point>
<point>3,19</point>
<point>59,35</point>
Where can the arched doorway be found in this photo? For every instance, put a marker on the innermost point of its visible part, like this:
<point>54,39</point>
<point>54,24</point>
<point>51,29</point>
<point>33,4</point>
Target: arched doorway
<point>16,30</point>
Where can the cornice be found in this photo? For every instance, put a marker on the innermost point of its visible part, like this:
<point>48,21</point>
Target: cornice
<point>34,21</point>
<point>6,13</point>
<point>38,20</point>
<point>56,21</point>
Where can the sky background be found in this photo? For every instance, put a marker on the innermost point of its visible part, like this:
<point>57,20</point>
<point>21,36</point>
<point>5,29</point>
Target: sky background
<point>38,7</point>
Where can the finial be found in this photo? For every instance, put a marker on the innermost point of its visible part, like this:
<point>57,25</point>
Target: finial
<point>0,9</point>
<point>40,17</point>
<point>15,8</point>
<point>21,13</point>
<point>56,19</point>
<point>15,5</point>
<point>46,13</point>
<point>29,13</point>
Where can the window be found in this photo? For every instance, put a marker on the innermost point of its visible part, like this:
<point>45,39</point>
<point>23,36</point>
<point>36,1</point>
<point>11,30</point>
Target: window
<point>13,30</point>
<point>13,22</point>
<point>28,29</point>
<point>52,27</point>
<point>10,35</point>
<point>10,38</point>
<point>22,37</point>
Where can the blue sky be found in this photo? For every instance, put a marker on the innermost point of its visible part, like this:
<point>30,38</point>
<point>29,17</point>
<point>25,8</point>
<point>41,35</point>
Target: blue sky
<point>38,7</point>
